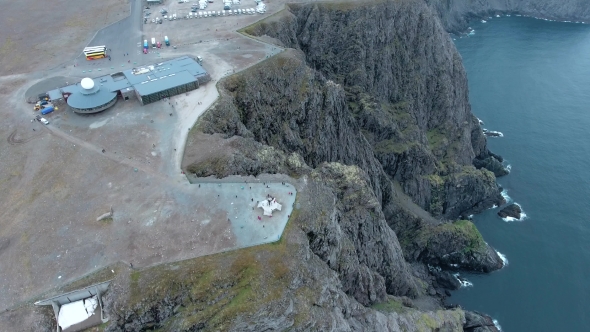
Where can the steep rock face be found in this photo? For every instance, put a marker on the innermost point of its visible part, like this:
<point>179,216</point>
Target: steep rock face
<point>291,107</point>
<point>307,116</point>
<point>347,230</point>
<point>456,245</point>
<point>476,322</point>
<point>407,89</point>
<point>456,14</point>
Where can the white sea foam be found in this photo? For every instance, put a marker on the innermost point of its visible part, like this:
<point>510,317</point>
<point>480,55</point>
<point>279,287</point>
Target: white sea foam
<point>497,15</point>
<point>518,15</point>
<point>484,21</point>
<point>505,195</point>
<point>503,258</point>
<point>480,122</point>
<point>492,133</point>
<point>464,282</point>
<point>497,324</point>
<point>509,168</point>
<point>494,206</point>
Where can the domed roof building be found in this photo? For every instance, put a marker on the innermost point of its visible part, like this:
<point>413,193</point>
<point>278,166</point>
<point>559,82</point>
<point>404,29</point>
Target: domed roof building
<point>90,97</point>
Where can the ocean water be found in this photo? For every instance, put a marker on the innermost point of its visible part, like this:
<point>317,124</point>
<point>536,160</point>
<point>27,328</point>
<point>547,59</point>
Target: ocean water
<point>530,80</point>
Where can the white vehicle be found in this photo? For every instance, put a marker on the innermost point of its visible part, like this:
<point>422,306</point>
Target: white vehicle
<point>173,16</point>
<point>200,14</point>
<point>252,11</point>
<point>219,13</point>
<point>235,12</point>
<point>239,11</point>
<point>43,121</point>
<point>236,2</point>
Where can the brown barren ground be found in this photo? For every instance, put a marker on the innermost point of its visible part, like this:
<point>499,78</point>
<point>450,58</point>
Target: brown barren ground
<point>41,35</point>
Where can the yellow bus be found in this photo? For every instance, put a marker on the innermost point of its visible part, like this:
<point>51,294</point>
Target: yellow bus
<point>95,52</point>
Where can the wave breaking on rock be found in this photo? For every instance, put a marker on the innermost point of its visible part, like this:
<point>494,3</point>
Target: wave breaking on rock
<point>463,281</point>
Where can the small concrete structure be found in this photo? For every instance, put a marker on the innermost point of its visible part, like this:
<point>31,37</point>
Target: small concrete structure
<point>58,301</point>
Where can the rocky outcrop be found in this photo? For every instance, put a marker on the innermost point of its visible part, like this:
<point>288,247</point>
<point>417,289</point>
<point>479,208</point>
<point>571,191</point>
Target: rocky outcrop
<point>511,211</point>
<point>477,322</point>
<point>455,245</point>
<point>455,15</point>
<point>347,229</point>
<point>246,156</point>
<point>287,105</point>
<point>492,163</point>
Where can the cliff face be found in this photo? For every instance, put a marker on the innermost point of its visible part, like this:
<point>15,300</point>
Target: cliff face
<point>289,106</point>
<point>406,90</point>
<point>456,14</point>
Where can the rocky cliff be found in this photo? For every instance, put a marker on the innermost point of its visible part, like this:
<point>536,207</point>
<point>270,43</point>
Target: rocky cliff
<point>455,15</point>
<point>369,109</point>
<point>405,90</point>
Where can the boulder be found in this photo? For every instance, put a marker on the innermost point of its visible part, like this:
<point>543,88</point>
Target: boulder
<point>446,280</point>
<point>512,211</point>
<point>478,322</point>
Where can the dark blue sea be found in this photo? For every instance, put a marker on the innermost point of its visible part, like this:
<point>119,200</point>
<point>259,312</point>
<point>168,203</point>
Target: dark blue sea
<point>530,80</point>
